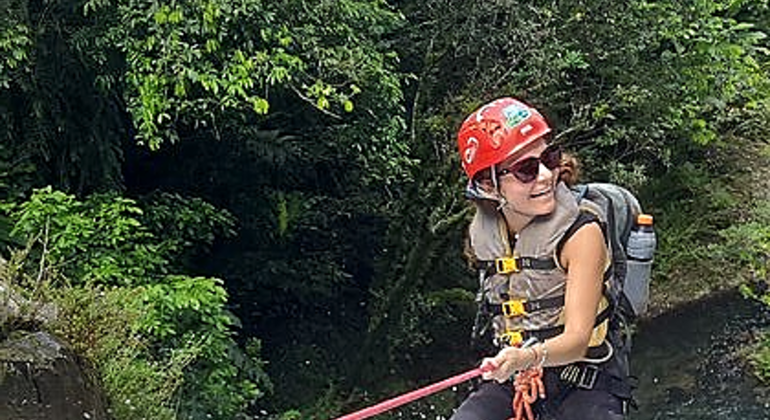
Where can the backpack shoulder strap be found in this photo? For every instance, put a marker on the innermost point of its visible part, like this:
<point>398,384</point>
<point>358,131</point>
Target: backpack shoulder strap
<point>617,200</point>
<point>609,204</point>
<point>584,217</point>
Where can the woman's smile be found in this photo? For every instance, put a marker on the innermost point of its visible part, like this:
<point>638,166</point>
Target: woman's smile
<point>542,193</point>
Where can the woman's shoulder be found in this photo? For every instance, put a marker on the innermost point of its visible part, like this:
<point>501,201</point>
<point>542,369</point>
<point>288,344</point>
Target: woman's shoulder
<point>587,242</point>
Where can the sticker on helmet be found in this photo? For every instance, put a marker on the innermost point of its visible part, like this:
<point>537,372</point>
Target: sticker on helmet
<point>498,135</point>
<point>515,114</point>
<point>470,150</point>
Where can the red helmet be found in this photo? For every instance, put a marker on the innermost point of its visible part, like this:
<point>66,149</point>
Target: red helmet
<point>496,131</point>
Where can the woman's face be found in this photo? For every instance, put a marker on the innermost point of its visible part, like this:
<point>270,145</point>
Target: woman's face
<point>533,198</point>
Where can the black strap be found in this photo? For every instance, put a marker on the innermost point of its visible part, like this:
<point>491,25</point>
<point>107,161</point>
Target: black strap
<point>600,376</point>
<point>530,306</point>
<point>549,263</point>
<point>584,217</point>
<point>536,263</point>
<point>550,332</point>
<point>526,263</point>
<point>593,376</point>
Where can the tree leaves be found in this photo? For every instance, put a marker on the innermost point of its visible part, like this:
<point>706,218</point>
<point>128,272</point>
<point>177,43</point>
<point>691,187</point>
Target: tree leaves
<point>102,243</point>
<point>191,62</point>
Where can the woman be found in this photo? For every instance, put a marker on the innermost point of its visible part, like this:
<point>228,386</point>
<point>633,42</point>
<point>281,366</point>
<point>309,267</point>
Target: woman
<point>544,261</point>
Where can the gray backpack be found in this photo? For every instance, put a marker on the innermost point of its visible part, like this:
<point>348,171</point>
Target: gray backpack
<point>618,209</point>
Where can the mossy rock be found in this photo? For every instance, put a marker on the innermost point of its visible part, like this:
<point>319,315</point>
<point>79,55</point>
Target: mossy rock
<point>40,379</point>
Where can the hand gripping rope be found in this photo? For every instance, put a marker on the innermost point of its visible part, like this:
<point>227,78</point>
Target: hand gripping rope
<point>411,396</point>
<point>528,385</point>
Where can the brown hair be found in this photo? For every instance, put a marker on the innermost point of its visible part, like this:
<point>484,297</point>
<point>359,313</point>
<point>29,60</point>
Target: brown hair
<point>569,170</point>
<point>468,253</point>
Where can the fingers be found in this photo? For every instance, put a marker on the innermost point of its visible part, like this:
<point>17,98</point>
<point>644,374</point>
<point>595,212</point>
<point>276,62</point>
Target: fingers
<point>502,366</point>
<point>488,364</point>
<point>488,368</point>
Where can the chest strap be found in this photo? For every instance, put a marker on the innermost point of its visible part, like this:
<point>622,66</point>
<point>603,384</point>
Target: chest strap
<point>507,265</point>
<point>521,307</point>
<point>515,337</point>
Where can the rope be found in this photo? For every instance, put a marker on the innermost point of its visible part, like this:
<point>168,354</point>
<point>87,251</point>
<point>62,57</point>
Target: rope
<point>411,396</point>
<point>528,385</point>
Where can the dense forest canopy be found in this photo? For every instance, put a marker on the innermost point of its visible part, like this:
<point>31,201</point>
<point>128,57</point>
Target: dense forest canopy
<point>270,184</point>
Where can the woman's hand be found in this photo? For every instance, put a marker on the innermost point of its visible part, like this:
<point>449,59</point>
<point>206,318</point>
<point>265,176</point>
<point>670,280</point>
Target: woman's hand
<point>507,362</point>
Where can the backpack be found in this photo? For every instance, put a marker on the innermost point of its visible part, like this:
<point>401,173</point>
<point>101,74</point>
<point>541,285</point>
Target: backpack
<point>618,209</point>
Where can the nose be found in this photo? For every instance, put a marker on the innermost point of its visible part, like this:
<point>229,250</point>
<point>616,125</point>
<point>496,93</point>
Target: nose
<point>543,173</point>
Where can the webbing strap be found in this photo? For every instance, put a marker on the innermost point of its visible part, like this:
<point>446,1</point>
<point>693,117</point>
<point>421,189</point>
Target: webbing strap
<point>530,306</point>
<point>528,263</point>
<point>550,332</point>
<point>584,217</point>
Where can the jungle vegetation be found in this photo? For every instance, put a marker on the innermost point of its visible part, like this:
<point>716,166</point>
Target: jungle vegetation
<point>226,196</point>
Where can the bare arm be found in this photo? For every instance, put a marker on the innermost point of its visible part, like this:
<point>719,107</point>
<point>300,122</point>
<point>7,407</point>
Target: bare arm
<point>584,256</point>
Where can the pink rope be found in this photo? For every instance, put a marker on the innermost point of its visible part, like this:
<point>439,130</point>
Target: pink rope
<point>411,396</point>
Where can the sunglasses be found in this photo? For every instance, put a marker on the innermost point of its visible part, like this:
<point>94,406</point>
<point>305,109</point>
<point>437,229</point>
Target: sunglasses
<point>526,170</point>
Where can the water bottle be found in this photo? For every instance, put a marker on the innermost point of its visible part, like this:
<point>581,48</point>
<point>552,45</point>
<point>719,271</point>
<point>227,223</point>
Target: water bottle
<point>639,250</point>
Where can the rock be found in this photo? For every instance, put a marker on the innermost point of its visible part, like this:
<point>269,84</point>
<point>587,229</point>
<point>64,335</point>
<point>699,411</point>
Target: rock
<point>40,379</point>
<point>16,309</point>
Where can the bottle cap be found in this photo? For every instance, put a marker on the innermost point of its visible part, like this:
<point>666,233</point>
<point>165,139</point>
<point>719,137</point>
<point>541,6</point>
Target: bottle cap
<point>644,219</point>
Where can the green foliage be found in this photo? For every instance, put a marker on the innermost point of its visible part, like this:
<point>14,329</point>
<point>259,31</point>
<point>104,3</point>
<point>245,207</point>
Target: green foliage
<point>15,45</point>
<point>23,298</point>
<point>56,127</point>
<point>15,174</point>
<point>108,239</point>
<point>103,325</point>
<point>187,62</point>
<point>162,343</point>
<point>760,359</point>
<point>748,245</point>
<point>181,306</point>
<point>188,225</point>
<point>98,241</point>
<point>689,204</point>
<point>186,313</point>
<point>91,77</point>
<point>325,129</point>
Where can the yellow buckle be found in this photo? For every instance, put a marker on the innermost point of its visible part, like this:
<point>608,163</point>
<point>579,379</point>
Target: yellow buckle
<point>514,308</point>
<point>506,265</point>
<point>513,338</point>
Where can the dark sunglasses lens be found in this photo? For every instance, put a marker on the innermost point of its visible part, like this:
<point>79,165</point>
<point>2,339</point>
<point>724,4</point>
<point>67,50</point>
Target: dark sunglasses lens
<point>551,157</point>
<point>526,171</point>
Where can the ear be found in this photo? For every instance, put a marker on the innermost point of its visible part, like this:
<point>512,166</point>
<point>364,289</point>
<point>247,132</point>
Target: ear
<point>486,185</point>
<point>483,190</point>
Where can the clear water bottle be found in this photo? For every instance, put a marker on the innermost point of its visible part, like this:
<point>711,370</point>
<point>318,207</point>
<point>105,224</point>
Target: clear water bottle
<point>640,250</point>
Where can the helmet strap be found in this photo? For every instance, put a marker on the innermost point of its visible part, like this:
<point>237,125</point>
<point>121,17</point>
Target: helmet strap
<point>501,201</point>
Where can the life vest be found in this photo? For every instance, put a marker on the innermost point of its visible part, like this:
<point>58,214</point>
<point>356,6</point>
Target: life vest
<point>523,283</point>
